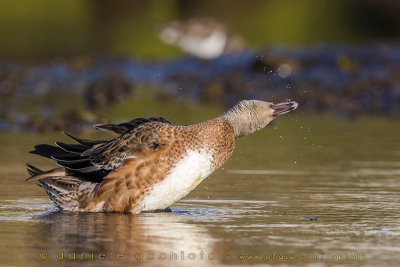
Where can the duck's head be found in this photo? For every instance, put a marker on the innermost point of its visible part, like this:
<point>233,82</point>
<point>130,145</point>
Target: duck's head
<point>249,116</point>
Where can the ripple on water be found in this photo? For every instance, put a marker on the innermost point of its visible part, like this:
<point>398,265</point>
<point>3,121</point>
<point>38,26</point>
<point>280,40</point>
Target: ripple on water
<point>332,172</point>
<point>26,209</point>
<point>30,209</point>
<point>220,211</point>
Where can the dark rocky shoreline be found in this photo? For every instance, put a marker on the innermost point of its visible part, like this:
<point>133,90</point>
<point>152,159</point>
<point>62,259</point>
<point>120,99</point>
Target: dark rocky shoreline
<point>346,80</point>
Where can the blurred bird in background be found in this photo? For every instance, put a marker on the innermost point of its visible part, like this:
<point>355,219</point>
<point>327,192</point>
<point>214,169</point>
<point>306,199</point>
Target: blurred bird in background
<point>204,38</point>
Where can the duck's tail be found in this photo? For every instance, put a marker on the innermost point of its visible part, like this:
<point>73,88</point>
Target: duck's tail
<point>59,186</point>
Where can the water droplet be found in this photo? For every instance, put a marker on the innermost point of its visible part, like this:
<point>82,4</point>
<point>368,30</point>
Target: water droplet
<point>284,70</point>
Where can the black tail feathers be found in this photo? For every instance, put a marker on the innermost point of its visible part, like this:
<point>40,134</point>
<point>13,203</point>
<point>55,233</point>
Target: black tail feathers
<point>32,170</point>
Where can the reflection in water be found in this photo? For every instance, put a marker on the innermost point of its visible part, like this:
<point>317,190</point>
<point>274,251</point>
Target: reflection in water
<point>153,238</point>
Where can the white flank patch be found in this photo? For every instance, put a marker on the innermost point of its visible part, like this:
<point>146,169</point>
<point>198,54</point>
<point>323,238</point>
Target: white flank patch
<point>184,177</point>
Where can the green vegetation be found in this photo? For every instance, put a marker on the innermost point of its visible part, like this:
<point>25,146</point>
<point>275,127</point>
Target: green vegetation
<point>74,27</point>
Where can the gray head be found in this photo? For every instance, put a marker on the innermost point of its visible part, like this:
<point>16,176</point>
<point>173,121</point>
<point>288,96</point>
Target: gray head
<point>249,116</point>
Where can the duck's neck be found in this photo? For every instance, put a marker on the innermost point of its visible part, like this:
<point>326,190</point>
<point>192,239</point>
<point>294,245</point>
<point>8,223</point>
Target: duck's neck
<point>245,121</point>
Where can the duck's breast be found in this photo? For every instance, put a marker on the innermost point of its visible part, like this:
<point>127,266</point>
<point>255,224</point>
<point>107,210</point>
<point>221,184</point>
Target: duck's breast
<point>184,176</point>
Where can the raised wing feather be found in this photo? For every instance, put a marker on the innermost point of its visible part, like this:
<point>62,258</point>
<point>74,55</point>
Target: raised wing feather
<point>112,154</point>
<point>128,126</point>
<point>93,160</point>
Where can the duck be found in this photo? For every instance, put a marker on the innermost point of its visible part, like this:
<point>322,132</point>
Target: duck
<point>204,38</point>
<point>150,165</point>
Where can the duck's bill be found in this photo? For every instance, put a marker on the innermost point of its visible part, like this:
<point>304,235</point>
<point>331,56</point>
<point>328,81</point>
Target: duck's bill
<point>283,108</point>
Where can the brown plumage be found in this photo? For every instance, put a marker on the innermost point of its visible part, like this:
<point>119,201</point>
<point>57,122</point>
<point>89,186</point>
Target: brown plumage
<point>152,164</point>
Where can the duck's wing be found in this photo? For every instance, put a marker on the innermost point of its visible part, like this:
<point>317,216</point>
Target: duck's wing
<point>133,144</point>
<point>93,160</point>
<point>128,126</point>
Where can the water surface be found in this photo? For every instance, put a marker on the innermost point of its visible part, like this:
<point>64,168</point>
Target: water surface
<point>309,190</point>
